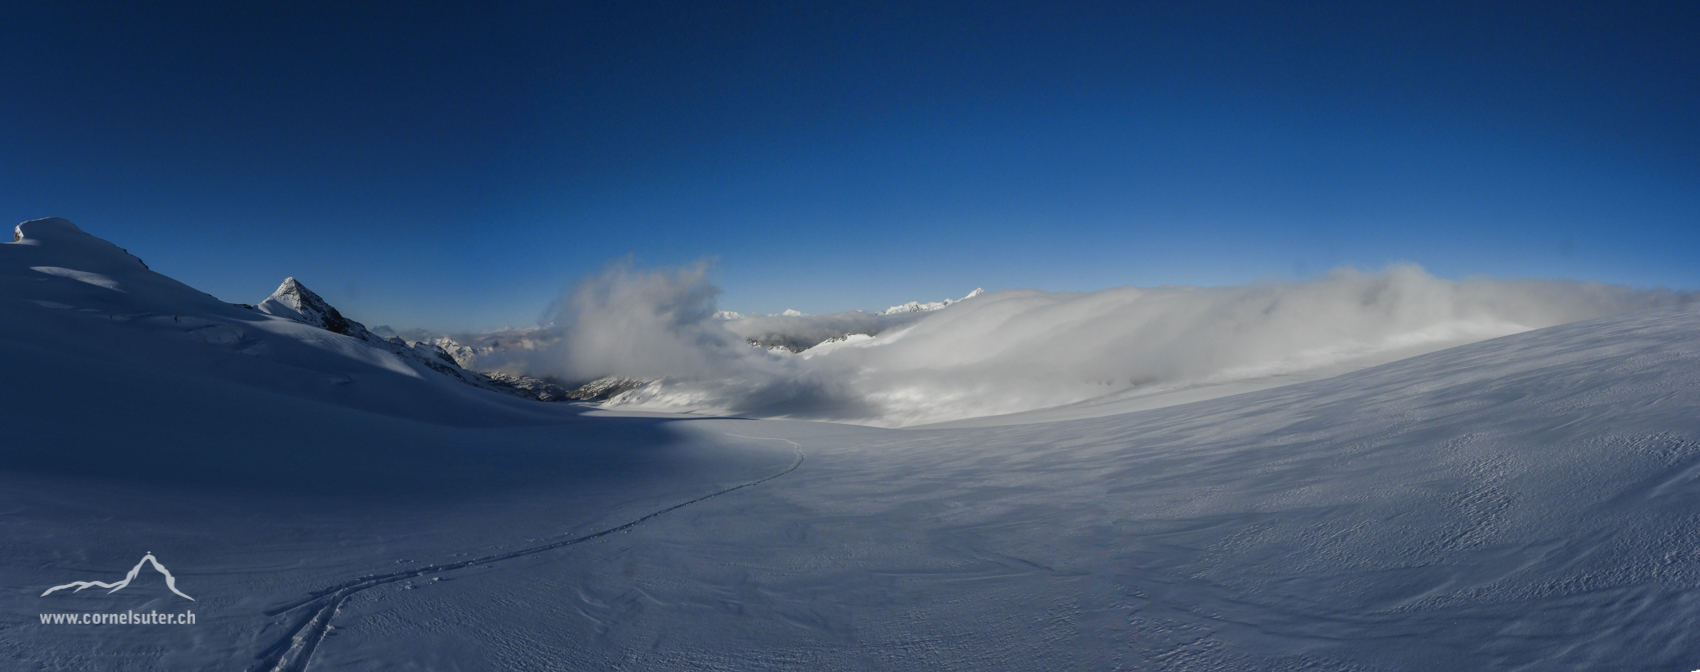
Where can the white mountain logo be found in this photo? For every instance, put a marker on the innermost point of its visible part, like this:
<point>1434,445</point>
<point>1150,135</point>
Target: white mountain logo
<point>170,581</point>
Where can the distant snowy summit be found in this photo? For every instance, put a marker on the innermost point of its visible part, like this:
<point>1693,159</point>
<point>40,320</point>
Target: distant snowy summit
<point>796,332</point>
<point>734,315</point>
<point>911,307</point>
<point>918,307</point>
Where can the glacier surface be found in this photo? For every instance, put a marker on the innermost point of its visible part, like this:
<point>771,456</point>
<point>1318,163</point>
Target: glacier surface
<point>1526,502</point>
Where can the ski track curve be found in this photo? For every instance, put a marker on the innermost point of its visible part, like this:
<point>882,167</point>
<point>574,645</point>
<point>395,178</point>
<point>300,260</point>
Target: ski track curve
<point>295,650</point>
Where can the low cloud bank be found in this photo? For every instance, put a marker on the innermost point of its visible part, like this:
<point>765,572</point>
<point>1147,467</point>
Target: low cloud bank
<point>1015,351</point>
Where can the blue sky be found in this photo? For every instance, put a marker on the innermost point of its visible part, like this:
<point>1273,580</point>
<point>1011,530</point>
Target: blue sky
<point>455,166</point>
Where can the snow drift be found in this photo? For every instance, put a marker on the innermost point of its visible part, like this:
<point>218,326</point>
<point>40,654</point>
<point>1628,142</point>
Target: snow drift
<point>1015,351</point>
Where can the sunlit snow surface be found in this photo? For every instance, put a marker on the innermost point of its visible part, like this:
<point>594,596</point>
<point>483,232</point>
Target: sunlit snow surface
<point>1529,502</point>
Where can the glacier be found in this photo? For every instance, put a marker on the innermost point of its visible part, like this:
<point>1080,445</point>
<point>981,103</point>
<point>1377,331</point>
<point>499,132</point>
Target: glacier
<point>1527,501</point>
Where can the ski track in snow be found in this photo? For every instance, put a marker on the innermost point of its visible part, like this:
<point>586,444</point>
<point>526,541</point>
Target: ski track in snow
<point>294,651</point>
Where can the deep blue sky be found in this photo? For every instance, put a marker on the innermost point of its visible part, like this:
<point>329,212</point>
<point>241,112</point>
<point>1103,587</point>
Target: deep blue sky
<point>454,166</point>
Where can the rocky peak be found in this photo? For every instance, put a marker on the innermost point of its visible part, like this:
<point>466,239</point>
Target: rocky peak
<point>294,301</point>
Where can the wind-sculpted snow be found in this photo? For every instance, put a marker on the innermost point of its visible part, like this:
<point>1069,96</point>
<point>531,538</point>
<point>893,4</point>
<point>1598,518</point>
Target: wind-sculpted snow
<point>1013,351</point>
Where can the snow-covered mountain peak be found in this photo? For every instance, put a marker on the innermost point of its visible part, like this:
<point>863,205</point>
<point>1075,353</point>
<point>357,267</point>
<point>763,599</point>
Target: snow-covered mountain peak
<point>294,301</point>
<point>48,228</point>
<point>71,242</point>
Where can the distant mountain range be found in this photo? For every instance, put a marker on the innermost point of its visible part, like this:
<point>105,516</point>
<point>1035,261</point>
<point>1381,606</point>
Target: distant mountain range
<point>918,307</point>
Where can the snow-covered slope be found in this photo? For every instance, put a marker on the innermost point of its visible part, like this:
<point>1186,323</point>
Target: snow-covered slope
<point>88,286</point>
<point>257,456</point>
<point>1526,502</point>
<point>1522,503</point>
